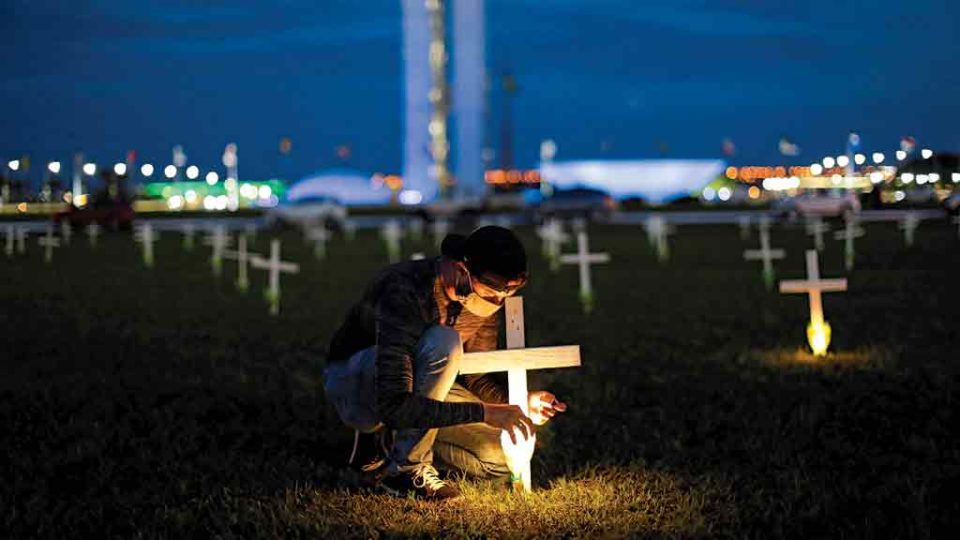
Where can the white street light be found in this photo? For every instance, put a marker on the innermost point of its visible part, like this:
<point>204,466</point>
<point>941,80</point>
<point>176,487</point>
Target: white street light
<point>876,177</point>
<point>146,169</point>
<point>212,177</point>
<point>859,159</point>
<point>926,153</point>
<point>54,167</point>
<point>816,169</point>
<point>120,169</point>
<point>955,177</point>
<point>89,169</point>
<point>906,177</point>
<point>193,172</point>
<point>878,157</point>
<point>842,161</point>
<point>901,155</point>
<point>14,164</point>
<point>170,171</point>
<point>828,162</point>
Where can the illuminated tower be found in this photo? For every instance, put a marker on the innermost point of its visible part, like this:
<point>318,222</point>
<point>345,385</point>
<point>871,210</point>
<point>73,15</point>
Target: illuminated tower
<point>427,99</point>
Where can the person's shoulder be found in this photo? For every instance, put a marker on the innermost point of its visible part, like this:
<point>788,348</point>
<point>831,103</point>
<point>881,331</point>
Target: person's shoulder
<point>407,276</point>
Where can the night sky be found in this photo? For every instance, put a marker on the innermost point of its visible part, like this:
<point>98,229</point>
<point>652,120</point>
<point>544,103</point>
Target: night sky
<point>604,78</point>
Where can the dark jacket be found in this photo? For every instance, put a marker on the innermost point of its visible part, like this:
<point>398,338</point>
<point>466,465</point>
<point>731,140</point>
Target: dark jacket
<point>395,310</point>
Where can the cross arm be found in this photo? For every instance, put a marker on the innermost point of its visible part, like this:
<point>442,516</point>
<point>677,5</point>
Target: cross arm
<point>532,358</point>
<point>825,285</point>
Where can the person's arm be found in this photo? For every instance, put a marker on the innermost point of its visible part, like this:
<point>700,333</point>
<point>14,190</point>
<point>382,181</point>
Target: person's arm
<point>399,326</point>
<point>489,387</point>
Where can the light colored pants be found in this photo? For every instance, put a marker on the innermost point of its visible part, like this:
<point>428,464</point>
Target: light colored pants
<point>473,449</point>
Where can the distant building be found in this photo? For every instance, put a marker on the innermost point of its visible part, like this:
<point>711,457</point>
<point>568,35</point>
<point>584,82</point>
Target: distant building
<point>656,181</point>
<point>349,187</point>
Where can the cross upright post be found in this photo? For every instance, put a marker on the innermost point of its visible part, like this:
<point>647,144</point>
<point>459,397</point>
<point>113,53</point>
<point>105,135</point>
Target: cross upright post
<point>583,258</point>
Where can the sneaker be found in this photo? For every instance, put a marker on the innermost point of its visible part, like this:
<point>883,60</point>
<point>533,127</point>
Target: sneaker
<point>423,483</point>
<point>369,456</point>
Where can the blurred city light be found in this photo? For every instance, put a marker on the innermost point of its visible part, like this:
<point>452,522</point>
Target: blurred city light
<point>816,169</point>
<point>878,157</point>
<point>120,169</point>
<point>13,164</point>
<point>209,202</point>
<point>54,167</point>
<point>175,202</point>
<point>828,162</point>
<point>146,169</point>
<point>89,169</point>
<point>906,177</point>
<point>709,194</point>
<point>170,171</point>
<point>876,177</point>
<point>842,161</point>
<point>955,177</point>
<point>212,177</point>
<point>926,153</point>
<point>191,196</point>
<point>724,193</point>
<point>265,192</point>
<point>193,172</point>
<point>901,155</point>
<point>410,196</point>
<point>859,159</point>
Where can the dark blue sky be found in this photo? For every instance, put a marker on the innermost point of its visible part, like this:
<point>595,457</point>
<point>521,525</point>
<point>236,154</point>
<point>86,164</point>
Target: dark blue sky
<point>604,78</point>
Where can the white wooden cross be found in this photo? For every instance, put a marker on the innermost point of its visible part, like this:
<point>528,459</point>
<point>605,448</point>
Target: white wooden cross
<point>415,225</point>
<point>657,231</point>
<point>243,261</point>
<point>48,242</point>
<point>851,231</point>
<point>765,254</point>
<point>744,223</point>
<point>21,240</point>
<point>817,227</point>
<point>553,237</point>
<point>275,266</point>
<point>8,245</point>
<point>418,256</point>
<point>583,258</point>
<point>218,240</point>
<point>516,360</point>
<point>319,236</point>
<point>188,231</point>
<point>146,237</point>
<point>66,232</point>
<point>818,331</point>
<point>93,233</point>
<point>392,234</point>
<point>909,224</point>
<point>439,228</point>
<point>349,229</point>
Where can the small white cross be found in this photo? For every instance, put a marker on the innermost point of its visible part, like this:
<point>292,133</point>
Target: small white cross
<point>415,226</point>
<point>909,225</point>
<point>188,231</point>
<point>93,233</point>
<point>417,256</point>
<point>817,227</point>
<point>392,234</point>
<point>818,332</point>
<point>219,241</point>
<point>439,228</point>
<point>243,260</point>
<point>744,223</point>
<point>319,236</point>
<point>48,242</point>
<point>553,237</point>
<point>146,237</point>
<point>851,231</point>
<point>765,254</point>
<point>657,231</point>
<point>583,258</point>
<point>10,236</point>
<point>516,360</point>
<point>275,267</point>
<point>66,232</point>
<point>21,240</point>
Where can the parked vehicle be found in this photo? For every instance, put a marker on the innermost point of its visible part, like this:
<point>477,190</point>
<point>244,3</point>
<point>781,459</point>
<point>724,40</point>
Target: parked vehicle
<point>108,213</point>
<point>818,203</point>
<point>591,204</point>
<point>308,212</point>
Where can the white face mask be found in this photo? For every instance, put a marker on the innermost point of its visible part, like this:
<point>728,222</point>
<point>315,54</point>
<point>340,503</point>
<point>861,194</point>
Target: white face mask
<point>480,307</point>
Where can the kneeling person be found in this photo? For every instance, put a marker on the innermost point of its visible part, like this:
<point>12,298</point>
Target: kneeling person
<point>394,365</point>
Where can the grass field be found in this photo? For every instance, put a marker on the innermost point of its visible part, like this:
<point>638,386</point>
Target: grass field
<point>162,402</point>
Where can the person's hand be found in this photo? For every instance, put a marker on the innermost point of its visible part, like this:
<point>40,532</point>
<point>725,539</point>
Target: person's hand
<point>544,406</point>
<point>508,418</point>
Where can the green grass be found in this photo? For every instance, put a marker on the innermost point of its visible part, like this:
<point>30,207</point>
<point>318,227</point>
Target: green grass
<point>163,402</point>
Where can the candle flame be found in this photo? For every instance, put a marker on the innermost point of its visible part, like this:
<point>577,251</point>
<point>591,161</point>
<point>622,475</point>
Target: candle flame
<point>818,336</point>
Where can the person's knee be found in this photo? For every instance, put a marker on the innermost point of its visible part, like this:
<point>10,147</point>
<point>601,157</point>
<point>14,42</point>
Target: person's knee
<point>441,348</point>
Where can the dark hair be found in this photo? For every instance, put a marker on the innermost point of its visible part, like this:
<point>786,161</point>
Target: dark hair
<point>488,250</point>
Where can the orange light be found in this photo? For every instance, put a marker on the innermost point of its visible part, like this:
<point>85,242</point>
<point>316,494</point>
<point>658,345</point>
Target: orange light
<point>732,173</point>
<point>753,192</point>
<point>22,207</point>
